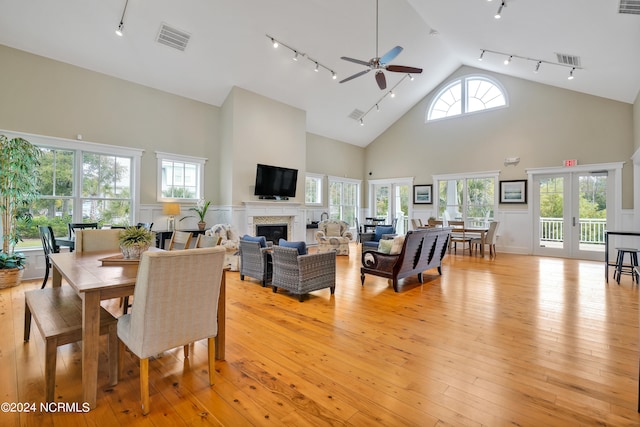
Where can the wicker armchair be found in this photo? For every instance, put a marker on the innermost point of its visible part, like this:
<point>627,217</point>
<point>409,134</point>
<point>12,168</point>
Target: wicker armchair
<point>255,261</point>
<point>301,274</point>
<point>333,235</point>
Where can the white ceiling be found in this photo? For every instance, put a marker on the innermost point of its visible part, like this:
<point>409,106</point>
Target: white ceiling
<point>229,47</point>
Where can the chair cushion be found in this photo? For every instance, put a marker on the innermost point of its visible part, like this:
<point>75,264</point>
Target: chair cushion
<point>333,229</point>
<point>385,245</point>
<point>300,246</point>
<point>260,239</point>
<point>380,230</point>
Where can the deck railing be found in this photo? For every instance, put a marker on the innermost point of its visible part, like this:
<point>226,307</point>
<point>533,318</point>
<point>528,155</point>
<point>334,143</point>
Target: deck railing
<point>592,230</point>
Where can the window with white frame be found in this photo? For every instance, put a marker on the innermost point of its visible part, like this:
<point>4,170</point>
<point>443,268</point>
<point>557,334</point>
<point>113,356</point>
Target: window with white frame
<point>469,197</point>
<point>344,197</point>
<point>466,95</point>
<point>313,189</point>
<point>81,182</point>
<point>180,178</point>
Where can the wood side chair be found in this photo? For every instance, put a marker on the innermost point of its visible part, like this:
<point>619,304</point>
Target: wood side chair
<point>180,240</point>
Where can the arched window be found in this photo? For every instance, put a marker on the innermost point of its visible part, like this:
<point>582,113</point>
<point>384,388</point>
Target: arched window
<point>467,95</point>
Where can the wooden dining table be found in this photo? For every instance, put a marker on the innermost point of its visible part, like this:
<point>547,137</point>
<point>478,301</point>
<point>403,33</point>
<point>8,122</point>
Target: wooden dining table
<point>479,231</point>
<point>95,282</point>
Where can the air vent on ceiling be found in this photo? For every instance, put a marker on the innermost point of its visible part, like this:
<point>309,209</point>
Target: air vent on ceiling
<point>571,60</point>
<point>173,37</point>
<point>630,6</point>
<point>356,114</point>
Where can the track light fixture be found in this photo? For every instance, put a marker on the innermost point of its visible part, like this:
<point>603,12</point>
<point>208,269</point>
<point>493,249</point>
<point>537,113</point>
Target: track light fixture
<point>498,15</point>
<point>390,94</point>
<point>538,62</point>
<point>481,54</point>
<point>121,25</point>
<point>298,54</point>
<point>410,77</point>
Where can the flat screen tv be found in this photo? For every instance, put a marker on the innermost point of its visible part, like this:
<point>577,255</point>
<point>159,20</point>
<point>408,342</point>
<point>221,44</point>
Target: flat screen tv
<point>274,182</point>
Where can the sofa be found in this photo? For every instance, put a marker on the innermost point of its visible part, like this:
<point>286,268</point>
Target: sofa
<point>230,240</point>
<point>333,235</point>
<point>420,250</point>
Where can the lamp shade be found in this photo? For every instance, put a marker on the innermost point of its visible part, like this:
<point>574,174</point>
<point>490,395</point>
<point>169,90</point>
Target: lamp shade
<point>171,209</point>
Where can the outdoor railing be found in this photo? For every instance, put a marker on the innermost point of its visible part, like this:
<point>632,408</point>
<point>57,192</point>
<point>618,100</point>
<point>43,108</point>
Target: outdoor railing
<point>592,230</point>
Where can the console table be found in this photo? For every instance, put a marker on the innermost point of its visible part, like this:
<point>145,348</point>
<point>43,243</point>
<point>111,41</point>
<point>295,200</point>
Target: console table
<point>162,235</point>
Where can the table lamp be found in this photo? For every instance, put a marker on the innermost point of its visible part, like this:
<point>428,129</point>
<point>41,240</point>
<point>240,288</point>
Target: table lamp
<point>171,209</point>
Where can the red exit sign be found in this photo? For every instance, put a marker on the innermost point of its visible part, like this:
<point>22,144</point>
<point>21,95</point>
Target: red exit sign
<point>571,162</point>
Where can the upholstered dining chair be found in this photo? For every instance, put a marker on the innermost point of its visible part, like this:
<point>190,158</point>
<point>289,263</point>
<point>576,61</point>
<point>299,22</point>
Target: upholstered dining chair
<point>49,246</point>
<point>176,297</point>
<point>89,240</point>
<point>180,240</point>
<point>489,239</point>
<point>301,274</point>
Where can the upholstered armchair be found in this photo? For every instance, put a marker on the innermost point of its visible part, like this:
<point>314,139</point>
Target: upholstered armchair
<point>255,260</point>
<point>333,235</point>
<point>230,240</point>
<point>301,274</point>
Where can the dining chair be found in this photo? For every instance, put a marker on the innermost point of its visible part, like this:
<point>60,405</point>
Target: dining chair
<point>176,297</point>
<point>459,235</point>
<point>180,240</point>
<point>73,226</point>
<point>88,240</point>
<point>49,246</point>
<point>204,241</point>
<point>489,239</point>
<point>147,225</point>
<point>416,223</point>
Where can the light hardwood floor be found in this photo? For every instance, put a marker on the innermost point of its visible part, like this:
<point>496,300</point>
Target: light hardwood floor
<point>519,340</point>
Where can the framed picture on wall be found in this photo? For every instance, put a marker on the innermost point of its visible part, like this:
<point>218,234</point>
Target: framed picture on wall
<point>513,191</point>
<point>422,194</point>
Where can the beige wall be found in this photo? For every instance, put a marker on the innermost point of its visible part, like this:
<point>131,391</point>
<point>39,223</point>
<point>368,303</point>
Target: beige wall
<point>636,124</point>
<point>264,131</point>
<point>543,125</point>
<point>46,97</point>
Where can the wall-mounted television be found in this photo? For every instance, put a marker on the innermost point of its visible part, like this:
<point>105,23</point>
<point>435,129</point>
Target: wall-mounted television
<point>274,182</point>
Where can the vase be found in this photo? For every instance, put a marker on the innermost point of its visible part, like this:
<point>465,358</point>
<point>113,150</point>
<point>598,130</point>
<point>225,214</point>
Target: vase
<point>134,251</point>
<point>10,277</point>
<point>202,225</point>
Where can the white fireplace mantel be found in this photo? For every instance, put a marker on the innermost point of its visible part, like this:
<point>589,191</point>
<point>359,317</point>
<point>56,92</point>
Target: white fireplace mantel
<point>272,212</point>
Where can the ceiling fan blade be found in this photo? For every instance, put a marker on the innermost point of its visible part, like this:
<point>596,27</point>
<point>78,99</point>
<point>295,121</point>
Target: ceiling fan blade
<point>381,80</point>
<point>355,75</point>
<point>403,69</point>
<point>357,61</point>
<point>388,57</point>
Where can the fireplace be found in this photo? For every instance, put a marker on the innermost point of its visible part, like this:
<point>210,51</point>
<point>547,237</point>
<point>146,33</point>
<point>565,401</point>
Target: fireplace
<point>272,232</point>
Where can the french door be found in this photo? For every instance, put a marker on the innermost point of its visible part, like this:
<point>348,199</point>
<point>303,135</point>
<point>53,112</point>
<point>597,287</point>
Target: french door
<point>570,213</point>
<point>391,201</point>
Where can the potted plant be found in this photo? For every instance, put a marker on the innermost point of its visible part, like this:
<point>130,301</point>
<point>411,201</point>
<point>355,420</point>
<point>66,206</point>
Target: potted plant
<point>134,241</point>
<point>201,211</point>
<point>19,165</point>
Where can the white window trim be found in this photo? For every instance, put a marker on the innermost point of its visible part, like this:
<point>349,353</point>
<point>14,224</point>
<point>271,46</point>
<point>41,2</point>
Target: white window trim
<point>463,80</point>
<point>455,176</point>
<point>80,147</point>
<point>358,182</point>
<point>160,156</point>
<point>319,177</point>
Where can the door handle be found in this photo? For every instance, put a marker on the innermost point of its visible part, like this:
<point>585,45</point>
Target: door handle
<point>574,221</point>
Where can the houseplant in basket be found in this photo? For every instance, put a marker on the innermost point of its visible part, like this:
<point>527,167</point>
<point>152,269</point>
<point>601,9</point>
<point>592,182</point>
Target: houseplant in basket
<point>19,165</point>
<point>134,241</point>
<point>201,211</point>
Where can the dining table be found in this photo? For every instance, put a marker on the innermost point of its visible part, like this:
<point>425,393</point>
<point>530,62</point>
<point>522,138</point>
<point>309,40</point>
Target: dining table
<point>480,232</point>
<point>94,280</point>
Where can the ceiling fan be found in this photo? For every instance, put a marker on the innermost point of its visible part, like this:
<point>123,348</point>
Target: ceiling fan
<point>380,63</point>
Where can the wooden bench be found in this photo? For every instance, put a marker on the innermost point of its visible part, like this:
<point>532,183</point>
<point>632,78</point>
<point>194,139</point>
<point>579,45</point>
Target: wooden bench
<point>422,250</point>
<point>58,315</point>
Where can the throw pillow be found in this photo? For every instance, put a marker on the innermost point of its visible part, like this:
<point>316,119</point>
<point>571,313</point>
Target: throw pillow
<point>385,245</point>
<point>333,229</point>
<point>380,230</point>
<point>396,246</point>
<point>260,239</point>
<point>300,246</point>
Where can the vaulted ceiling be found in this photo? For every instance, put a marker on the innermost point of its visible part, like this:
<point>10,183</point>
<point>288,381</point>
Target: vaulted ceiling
<point>228,47</point>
